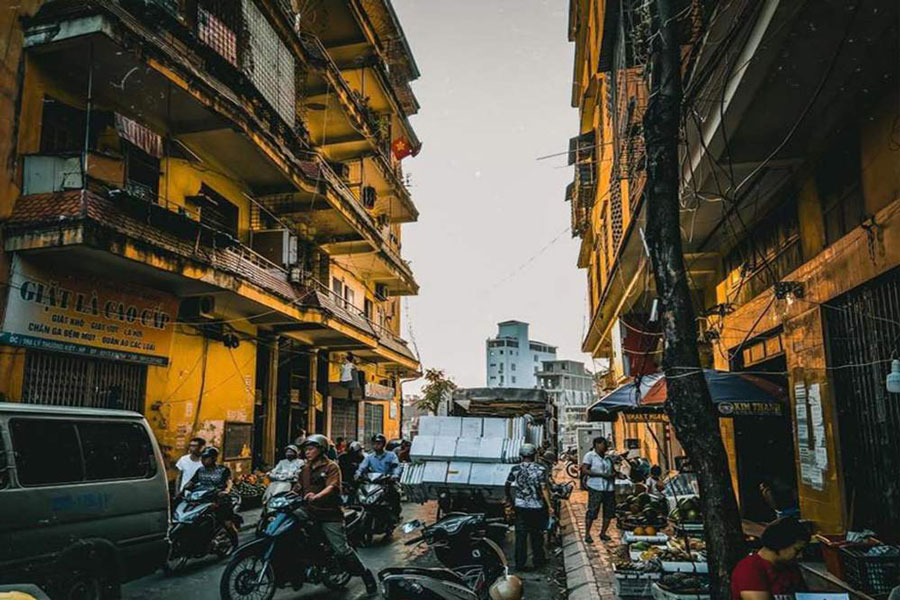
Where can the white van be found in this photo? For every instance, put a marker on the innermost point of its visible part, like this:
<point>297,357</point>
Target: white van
<point>84,504</point>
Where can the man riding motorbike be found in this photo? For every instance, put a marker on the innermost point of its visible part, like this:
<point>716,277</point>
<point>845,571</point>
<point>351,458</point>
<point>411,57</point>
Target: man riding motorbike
<point>215,476</point>
<point>350,460</point>
<point>384,462</point>
<point>320,486</point>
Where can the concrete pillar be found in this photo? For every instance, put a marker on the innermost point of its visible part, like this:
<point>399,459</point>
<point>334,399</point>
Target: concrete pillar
<point>311,391</point>
<point>328,419</point>
<point>271,401</point>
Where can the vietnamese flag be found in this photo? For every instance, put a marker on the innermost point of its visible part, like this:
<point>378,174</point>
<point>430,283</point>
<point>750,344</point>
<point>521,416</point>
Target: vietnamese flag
<point>401,148</point>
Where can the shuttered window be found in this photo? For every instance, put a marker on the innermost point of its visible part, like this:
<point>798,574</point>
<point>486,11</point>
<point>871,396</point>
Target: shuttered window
<point>72,380</point>
<point>374,420</point>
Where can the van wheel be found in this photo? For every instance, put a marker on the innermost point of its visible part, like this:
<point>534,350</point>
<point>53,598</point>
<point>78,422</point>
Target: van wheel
<point>83,585</point>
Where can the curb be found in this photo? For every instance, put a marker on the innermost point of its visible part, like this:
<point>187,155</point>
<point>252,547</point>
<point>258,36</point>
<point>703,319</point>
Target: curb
<point>581,583</point>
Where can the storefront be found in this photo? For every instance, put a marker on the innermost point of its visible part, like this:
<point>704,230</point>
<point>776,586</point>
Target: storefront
<point>83,341</point>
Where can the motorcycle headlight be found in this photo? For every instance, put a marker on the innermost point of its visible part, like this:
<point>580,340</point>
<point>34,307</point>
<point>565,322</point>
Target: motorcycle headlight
<point>278,503</point>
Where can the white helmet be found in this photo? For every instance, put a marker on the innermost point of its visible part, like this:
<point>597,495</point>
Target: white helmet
<point>508,587</point>
<point>526,450</point>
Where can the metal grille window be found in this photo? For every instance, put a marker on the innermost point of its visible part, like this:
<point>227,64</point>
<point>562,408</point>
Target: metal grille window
<point>269,64</point>
<point>861,334</point>
<point>72,380</point>
<point>374,420</point>
<point>344,419</point>
<point>216,30</point>
<point>615,213</point>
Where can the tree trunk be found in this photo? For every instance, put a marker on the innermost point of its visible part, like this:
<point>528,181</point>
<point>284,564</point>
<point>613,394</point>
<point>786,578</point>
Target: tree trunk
<point>689,403</point>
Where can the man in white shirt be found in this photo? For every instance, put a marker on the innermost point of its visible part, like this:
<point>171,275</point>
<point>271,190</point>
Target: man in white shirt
<point>188,464</point>
<point>601,476</point>
<point>348,375</point>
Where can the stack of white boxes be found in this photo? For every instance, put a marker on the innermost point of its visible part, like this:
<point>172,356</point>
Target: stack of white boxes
<point>466,454</point>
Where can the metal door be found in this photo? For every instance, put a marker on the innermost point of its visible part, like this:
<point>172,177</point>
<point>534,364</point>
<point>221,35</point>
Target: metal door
<point>73,380</point>
<point>374,420</point>
<point>863,332</point>
<point>344,419</point>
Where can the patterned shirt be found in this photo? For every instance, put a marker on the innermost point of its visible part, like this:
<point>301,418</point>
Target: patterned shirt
<point>214,478</point>
<point>529,478</point>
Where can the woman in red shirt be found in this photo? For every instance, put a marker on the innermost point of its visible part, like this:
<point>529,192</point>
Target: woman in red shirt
<point>773,570</point>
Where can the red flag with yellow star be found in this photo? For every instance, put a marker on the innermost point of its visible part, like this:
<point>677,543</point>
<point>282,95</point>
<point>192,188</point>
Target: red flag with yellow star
<point>401,148</point>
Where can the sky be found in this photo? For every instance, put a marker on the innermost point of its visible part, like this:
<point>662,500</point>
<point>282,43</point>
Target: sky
<point>492,241</point>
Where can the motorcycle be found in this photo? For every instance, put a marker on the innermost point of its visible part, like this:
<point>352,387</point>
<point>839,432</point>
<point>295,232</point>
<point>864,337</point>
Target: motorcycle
<point>463,544</point>
<point>196,530</point>
<point>292,551</point>
<point>573,468</point>
<point>378,516</point>
<point>276,487</point>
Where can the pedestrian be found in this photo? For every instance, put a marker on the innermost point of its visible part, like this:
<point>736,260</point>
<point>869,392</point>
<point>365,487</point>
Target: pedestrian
<point>301,437</point>
<point>320,486</point>
<point>531,505</point>
<point>654,481</point>
<point>285,473</point>
<point>772,571</point>
<point>385,462</point>
<point>349,380</point>
<point>188,464</point>
<point>600,473</point>
<point>781,497</point>
<point>340,446</point>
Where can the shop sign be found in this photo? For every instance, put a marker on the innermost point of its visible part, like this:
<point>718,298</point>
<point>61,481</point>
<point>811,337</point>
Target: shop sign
<point>646,417</point>
<point>741,409</point>
<point>78,314</point>
<point>376,391</point>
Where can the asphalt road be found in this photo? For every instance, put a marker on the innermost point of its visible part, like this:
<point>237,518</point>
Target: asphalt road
<point>199,580</point>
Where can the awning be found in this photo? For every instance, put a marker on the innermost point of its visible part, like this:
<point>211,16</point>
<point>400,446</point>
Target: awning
<point>733,393</point>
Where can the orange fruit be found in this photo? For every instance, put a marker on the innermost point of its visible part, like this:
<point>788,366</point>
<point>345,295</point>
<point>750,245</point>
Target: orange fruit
<point>650,531</point>
<point>638,531</point>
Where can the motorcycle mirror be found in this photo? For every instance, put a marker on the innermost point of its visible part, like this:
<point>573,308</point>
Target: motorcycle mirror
<point>411,526</point>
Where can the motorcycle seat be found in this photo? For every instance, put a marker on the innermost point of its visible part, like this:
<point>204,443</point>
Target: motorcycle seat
<point>434,573</point>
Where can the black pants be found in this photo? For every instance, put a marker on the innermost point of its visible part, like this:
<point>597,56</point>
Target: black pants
<point>530,525</point>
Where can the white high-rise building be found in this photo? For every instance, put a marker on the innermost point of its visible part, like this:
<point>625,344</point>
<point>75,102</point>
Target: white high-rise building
<point>512,359</point>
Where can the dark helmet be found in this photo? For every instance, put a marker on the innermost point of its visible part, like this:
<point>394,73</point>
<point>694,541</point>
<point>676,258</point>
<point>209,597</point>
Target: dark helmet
<point>319,440</point>
<point>379,437</point>
<point>210,452</point>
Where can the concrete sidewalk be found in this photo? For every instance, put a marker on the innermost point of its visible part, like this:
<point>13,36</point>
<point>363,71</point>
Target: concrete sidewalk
<point>589,572</point>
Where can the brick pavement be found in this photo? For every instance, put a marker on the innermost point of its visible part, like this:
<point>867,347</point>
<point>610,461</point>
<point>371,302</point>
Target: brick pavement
<point>589,572</point>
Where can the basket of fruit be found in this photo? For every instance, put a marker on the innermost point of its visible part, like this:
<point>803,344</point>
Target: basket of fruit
<point>687,515</point>
<point>681,586</point>
<point>251,487</point>
<point>644,551</point>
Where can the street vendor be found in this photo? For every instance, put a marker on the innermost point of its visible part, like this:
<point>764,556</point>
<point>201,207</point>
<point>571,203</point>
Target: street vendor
<point>773,570</point>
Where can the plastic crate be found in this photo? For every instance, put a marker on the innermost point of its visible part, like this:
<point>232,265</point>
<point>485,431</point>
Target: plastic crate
<point>872,574</point>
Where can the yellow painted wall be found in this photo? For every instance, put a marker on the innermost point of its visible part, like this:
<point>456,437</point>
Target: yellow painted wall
<point>177,409</point>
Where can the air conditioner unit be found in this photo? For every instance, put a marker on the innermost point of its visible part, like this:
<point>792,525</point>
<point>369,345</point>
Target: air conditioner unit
<point>277,245</point>
<point>198,308</point>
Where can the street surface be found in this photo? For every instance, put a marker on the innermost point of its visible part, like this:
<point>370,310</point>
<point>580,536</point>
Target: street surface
<point>200,579</point>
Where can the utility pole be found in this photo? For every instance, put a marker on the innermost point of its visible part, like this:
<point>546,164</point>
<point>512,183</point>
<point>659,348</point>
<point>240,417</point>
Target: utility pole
<point>689,405</point>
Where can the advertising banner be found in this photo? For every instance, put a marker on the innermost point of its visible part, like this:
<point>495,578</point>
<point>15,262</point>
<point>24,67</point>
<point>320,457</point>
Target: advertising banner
<point>79,314</point>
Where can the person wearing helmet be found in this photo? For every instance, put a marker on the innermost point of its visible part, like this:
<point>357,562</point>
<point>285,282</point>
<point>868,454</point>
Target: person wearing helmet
<point>350,460</point>
<point>385,462</point>
<point>531,504</point>
<point>320,486</point>
<point>215,476</point>
<point>403,451</point>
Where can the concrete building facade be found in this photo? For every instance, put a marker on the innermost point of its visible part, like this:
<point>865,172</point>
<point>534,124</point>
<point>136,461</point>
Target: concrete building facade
<point>512,359</point>
<point>571,389</point>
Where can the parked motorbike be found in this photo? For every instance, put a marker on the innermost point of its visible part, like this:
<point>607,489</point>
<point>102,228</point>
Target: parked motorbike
<point>573,468</point>
<point>196,531</point>
<point>378,516</point>
<point>292,551</point>
<point>276,486</point>
<point>473,562</point>
<point>558,493</point>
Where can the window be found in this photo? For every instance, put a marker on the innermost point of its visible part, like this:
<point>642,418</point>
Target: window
<point>501,379</point>
<point>237,441</point>
<point>501,352</point>
<point>337,286</point>
<point>46,451</point>
<point>512,367</point>
<point>62,128</point>
<point>4,465</point>
<point>535,358</point>
<point>373,419</point>
<point>514,379</point>
<point>115,450</point>
<point>563,367</point>
<point>501,367</point>
<point>349,297</point>
<point>493,365</point>
<point>838,179</point>
<point>216,211</point>
<point>367,307</point>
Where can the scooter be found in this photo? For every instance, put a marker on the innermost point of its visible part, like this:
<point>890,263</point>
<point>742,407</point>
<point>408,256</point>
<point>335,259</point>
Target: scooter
<point>573,469</point>
<point>197,532</point>
<point>378,516</point>
<point>462,543</point>
<point>292,551</point>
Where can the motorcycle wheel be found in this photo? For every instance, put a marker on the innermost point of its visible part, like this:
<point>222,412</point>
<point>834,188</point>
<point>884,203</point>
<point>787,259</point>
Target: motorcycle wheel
<point>335,578</point>
<point>572,470</point>
<point>225,544</point>
<point>239,580</point>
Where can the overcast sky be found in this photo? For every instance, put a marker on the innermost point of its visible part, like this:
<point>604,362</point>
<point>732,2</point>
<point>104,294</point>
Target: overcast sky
<point>492,241</point>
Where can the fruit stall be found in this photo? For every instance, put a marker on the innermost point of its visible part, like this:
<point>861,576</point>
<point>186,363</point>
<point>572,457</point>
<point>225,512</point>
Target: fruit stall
<point>663,554</point>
